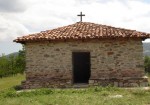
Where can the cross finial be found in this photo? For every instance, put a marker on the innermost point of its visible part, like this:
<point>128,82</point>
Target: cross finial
<point>81,16</point>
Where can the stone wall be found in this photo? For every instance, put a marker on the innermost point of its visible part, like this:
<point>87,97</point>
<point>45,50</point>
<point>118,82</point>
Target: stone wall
<point>117,61</point>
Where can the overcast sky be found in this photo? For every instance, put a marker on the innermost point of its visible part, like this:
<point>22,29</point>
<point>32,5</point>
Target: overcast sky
<point>21,17</point>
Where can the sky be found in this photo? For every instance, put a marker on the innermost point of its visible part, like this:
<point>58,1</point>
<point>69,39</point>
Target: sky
<point>23,17</point>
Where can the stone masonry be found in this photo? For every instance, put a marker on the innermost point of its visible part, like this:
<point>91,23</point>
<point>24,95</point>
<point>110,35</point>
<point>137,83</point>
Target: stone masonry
<point>117,62</point>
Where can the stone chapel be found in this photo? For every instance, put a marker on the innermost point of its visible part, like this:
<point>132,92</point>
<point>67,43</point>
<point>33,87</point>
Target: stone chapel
<point>84,53</point>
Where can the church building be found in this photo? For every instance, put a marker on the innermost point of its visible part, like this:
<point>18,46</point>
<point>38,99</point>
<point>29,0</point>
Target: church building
<point>84,53</point>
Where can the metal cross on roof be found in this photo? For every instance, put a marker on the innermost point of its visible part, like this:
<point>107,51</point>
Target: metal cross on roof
<point>81,16</point>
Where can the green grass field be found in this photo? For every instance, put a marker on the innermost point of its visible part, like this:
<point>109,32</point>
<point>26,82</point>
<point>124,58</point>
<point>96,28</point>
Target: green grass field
<point>8,82</point>
<point>87,96</point>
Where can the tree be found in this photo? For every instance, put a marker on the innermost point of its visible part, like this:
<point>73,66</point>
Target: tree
<point>20,62</point>
<point>4,65</point>
<point>11,65</point>
<point>147,63</point>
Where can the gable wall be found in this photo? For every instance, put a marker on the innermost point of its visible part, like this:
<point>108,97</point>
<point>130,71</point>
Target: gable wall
<point>50,64</point>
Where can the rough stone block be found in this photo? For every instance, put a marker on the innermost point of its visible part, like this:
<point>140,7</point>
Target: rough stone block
<point>144,84</point>
<point>116,84</point>
<point>134,85</point>
<point>91,81</point>
<point>120,84</point>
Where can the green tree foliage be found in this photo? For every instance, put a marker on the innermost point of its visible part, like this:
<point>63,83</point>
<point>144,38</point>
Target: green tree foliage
<point>20,62</point>
<point>12,64</point>
<point>147,63</point>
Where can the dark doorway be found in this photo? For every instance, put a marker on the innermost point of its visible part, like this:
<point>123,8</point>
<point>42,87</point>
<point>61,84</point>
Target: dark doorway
<point>81,67</point>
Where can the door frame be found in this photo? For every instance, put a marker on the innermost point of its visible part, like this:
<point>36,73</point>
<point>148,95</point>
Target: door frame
<point>85,51</point>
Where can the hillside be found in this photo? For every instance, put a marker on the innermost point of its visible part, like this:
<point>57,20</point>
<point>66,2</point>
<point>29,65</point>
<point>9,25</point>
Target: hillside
<point>14,53</point>
<point>146,48</point>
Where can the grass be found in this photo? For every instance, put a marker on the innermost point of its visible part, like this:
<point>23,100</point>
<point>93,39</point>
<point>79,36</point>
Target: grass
<point>87,96</point>
<point>8,82</point>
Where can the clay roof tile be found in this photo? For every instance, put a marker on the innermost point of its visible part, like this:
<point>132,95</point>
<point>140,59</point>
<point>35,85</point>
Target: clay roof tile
<point>82,30</point>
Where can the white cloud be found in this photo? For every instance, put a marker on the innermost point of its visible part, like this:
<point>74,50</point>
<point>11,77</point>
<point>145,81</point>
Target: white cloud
<point>12,6</point>
<point>146,41</point>
<point>10,29</point>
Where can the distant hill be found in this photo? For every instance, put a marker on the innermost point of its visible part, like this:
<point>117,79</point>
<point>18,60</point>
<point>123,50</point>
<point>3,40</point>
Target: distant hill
<point>146,48</point>
<point>14,53</point>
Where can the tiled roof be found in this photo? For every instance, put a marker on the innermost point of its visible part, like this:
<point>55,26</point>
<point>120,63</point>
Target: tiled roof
<point>82,30</point>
